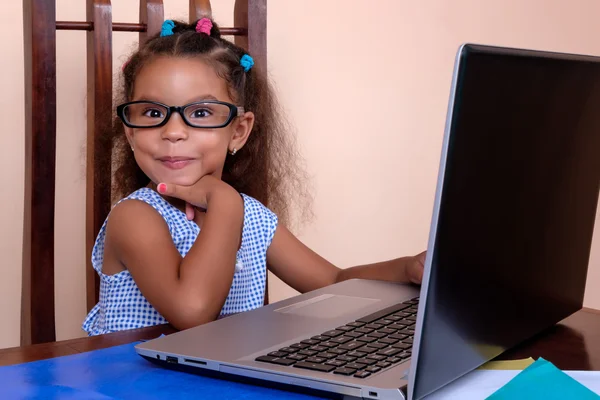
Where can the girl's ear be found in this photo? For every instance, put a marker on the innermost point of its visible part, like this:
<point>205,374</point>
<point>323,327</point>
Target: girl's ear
<point>241,131</point>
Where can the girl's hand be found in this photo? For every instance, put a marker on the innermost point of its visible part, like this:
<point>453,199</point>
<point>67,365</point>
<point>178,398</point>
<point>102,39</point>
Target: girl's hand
<point>415,267</point>
<point>200,194</point>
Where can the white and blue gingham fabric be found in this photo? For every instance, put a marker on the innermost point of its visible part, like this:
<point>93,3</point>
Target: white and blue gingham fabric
<point>122,306</point>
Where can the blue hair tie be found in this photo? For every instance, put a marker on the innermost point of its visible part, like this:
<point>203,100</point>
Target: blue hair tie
<point>247,62</point>
<point>167,28</point>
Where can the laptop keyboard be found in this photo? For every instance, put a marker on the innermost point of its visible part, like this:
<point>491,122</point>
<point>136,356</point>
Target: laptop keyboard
<point>360,348</point>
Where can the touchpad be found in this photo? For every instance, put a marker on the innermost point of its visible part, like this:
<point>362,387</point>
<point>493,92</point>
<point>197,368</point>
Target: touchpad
<point>327,306</point>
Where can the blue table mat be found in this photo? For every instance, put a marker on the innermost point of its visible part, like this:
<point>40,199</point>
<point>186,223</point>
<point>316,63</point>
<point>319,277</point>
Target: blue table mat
<point>120,373</point>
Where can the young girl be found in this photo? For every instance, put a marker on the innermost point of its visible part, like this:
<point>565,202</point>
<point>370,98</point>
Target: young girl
<point>202,145</point>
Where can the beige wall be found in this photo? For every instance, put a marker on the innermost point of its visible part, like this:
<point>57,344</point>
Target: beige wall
<point>339,66</point>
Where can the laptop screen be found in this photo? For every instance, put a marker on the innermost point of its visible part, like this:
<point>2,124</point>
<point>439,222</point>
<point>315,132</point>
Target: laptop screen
<point>516,209</point>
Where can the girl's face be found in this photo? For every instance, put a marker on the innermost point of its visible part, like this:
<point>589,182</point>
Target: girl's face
<point>176,152</point>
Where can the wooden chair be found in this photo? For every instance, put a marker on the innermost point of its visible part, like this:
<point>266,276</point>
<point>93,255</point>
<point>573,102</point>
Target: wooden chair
<point>40,25</point>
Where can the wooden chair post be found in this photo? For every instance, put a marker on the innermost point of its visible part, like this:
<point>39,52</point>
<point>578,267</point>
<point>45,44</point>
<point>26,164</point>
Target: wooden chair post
<point>152,14</point>
<point>37,293</point>
<point>99,110</point>
<point>199,9</point>
<point>251,15</point>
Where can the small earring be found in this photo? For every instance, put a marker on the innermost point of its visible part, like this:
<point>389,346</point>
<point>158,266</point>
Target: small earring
<point>232,152</point>
<point>132,150</point>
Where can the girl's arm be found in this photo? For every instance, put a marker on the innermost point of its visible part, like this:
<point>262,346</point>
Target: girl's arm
<point>187,291</point>
<point>304,270</point>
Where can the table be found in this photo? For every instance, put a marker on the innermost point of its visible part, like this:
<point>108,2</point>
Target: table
<point>573,344</point>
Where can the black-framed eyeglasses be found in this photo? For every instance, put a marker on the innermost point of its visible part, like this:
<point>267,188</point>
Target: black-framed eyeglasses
<point>200,114</point>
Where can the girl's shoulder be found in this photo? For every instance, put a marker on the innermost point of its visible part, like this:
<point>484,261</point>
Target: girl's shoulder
<point>258,220</point>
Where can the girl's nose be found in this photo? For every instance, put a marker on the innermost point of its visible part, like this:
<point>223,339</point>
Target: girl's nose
<point>175,129</point>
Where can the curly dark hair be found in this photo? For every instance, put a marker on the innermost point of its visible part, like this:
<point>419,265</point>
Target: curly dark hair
<point>267,167</point>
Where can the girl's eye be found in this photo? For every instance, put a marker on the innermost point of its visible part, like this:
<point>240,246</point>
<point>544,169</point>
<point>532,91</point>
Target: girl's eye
<point>153,113</point>
<point>201,113</point>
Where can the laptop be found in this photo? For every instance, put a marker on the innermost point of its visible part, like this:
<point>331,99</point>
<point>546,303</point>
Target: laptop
<point>507,257</point>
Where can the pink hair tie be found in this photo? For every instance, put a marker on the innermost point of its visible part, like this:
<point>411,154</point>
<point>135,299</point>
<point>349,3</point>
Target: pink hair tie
<point>204,25</point>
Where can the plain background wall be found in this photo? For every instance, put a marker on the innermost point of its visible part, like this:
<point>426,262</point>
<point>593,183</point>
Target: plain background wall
<point>365,86</point>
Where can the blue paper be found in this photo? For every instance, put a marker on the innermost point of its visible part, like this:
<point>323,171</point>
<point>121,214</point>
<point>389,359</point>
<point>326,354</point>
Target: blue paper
<point>542,380</point>
<point>119,373</point>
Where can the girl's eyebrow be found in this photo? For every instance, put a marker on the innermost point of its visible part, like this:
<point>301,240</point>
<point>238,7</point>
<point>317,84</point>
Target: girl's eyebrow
<point>193,100</point>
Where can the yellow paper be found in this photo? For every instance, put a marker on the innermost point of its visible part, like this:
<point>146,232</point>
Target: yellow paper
<point>518,365</point>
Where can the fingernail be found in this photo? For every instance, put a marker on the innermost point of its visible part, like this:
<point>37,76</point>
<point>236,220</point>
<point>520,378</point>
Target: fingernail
<point>161,188</point>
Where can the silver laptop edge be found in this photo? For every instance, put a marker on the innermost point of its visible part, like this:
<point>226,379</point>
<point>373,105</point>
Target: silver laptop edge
<point>433,225</point>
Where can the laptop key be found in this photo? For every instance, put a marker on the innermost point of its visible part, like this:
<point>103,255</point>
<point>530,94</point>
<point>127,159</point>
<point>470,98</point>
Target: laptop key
<point>367,350</point>
<point>318,348</point>
<point>288,350</point>
<point>389,352</point>
<point>275,360</point>
<point>328,344</point>
<point>402,314</point>
<point>307,352</point>
<point>357,354</point>
<point>376,357</point>
<point>341,339</point>
<point>277,354</point>
<point>356,324</point>
<point>409,341</point>
<point>366,361</point>
<point>345,328</point>
<point>373,369</point>
<point>384,321</point>
<point>353,334</point>
<point>344,371</point>
<point>377,345</point>
<point>364,330</point>
<point>382,313</point>
<point>332,333</point>
<point>397,336</point>
<point>316,360</point>
<point>385,331</point>
<point>362,374</point>
<point>337,351</point>
<point>310,342</point>
<point>366,339</point>
<point>393,318</point>
<point>379,334</point>
<point>402,346</point>
<point>355,365</point>
<point>388,340</point>
<point>373,326</point>
<point>346,358</point>
<point>320,338</point>
<point>383,364</point>
<point>394,360</point>
<point>326,355</point>
<point>351,345</point>
<point>300,346</point>
<point>335,363</point>
<point>314,366</point>
<point>297,357</point>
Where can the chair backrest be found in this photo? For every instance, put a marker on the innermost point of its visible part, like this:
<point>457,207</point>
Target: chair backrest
<point>40,25</point>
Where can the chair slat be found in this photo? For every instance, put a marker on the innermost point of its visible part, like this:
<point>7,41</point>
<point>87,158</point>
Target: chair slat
<point>99,110</point>
<point>199,9</point>
<point>252,15</point>
<point>152,14</point>
<point>37,293</point>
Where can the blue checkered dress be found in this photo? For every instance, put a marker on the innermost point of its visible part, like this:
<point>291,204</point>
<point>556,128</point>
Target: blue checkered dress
<point>122,305</point>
